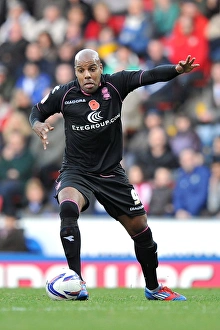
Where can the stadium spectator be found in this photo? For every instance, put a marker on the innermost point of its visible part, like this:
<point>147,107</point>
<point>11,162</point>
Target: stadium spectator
<point>190,9</point>
<point>122,59</point>
<point>165,14</point>
<point>15,45</point>
<point>34,54</point>
<point>188,40</point>
<point>138,28</point>
<point>74,35</point>
<point>16,167</point>
<point>36,200</point>
<point>63,73</point>
<point>6,83</point>
<point>85,6</point>
<point>52,22</point>
<point>17,12</point>
<point>21,101</point>
<point>16,121</point>
<point>76,15</point>
<point>33,81</point>
<point>189,29</point>
<point>47,47</point>
<point>213,36</point>
<point>158,153</point>
<point>185,135</point>
<point>191,186</point>
<point>12,237</point>
<point>213,200</point>
<point>102,17</point>
<point>161,202</point>
<point>65,53</point>
<point>155,54</point>
<point>106,43</point>
<point>138,142</point>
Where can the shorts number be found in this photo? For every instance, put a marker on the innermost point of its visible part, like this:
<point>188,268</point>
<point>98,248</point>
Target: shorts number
<point>135,197</point>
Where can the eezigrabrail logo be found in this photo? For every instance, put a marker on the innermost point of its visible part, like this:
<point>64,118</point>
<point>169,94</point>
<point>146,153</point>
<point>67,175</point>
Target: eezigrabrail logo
<point>94,117</point>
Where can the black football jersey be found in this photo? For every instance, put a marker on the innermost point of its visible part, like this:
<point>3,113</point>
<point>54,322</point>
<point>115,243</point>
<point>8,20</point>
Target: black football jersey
<point>92,122</point>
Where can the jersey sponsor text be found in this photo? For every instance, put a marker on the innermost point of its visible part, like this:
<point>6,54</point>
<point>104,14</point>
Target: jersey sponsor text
<point>95,126</point>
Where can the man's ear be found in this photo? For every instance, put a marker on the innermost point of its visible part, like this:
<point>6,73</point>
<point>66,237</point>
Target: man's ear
<point>101,67</point>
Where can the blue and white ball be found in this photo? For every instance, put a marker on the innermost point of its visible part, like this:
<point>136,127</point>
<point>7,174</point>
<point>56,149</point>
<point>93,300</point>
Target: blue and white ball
<point>64,285</point>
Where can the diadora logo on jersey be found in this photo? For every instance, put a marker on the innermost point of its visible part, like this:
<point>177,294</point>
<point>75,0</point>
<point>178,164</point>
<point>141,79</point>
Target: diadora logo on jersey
<point>94,105</point>
<point>75,101</point>
<point>94,117</point>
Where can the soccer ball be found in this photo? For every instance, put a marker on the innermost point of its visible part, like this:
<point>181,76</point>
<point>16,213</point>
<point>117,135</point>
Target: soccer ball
<point>64,285</point>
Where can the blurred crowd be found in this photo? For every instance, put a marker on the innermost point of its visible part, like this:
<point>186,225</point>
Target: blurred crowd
<point>171,129</point>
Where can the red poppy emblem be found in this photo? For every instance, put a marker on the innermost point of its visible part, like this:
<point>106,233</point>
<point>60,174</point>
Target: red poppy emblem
<point>94,105</point>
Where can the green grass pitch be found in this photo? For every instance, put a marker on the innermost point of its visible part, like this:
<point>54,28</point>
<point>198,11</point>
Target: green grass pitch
<point>109,309</point>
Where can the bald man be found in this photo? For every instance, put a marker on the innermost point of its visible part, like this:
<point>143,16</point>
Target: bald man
<point>91,108</point>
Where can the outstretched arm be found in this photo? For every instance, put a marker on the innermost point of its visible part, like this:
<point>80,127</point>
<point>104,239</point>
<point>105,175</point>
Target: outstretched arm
<point>187,65</point>
<point>165,72</point>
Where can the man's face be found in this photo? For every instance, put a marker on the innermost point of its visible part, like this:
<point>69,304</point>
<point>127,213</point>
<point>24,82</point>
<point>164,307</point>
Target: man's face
<point>88,70</point>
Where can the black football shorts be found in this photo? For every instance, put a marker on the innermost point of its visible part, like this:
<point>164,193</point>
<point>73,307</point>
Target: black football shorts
<point>112,190</point>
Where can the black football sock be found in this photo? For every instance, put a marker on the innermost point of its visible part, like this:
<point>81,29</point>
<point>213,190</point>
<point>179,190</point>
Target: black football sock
<point>71,241</point>
<point>146,253</point>
<point>70,234</point>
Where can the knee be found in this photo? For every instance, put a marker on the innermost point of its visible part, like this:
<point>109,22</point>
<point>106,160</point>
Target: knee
<point>69,214</point>
<point>138,225</point>
<point>69,210</point>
